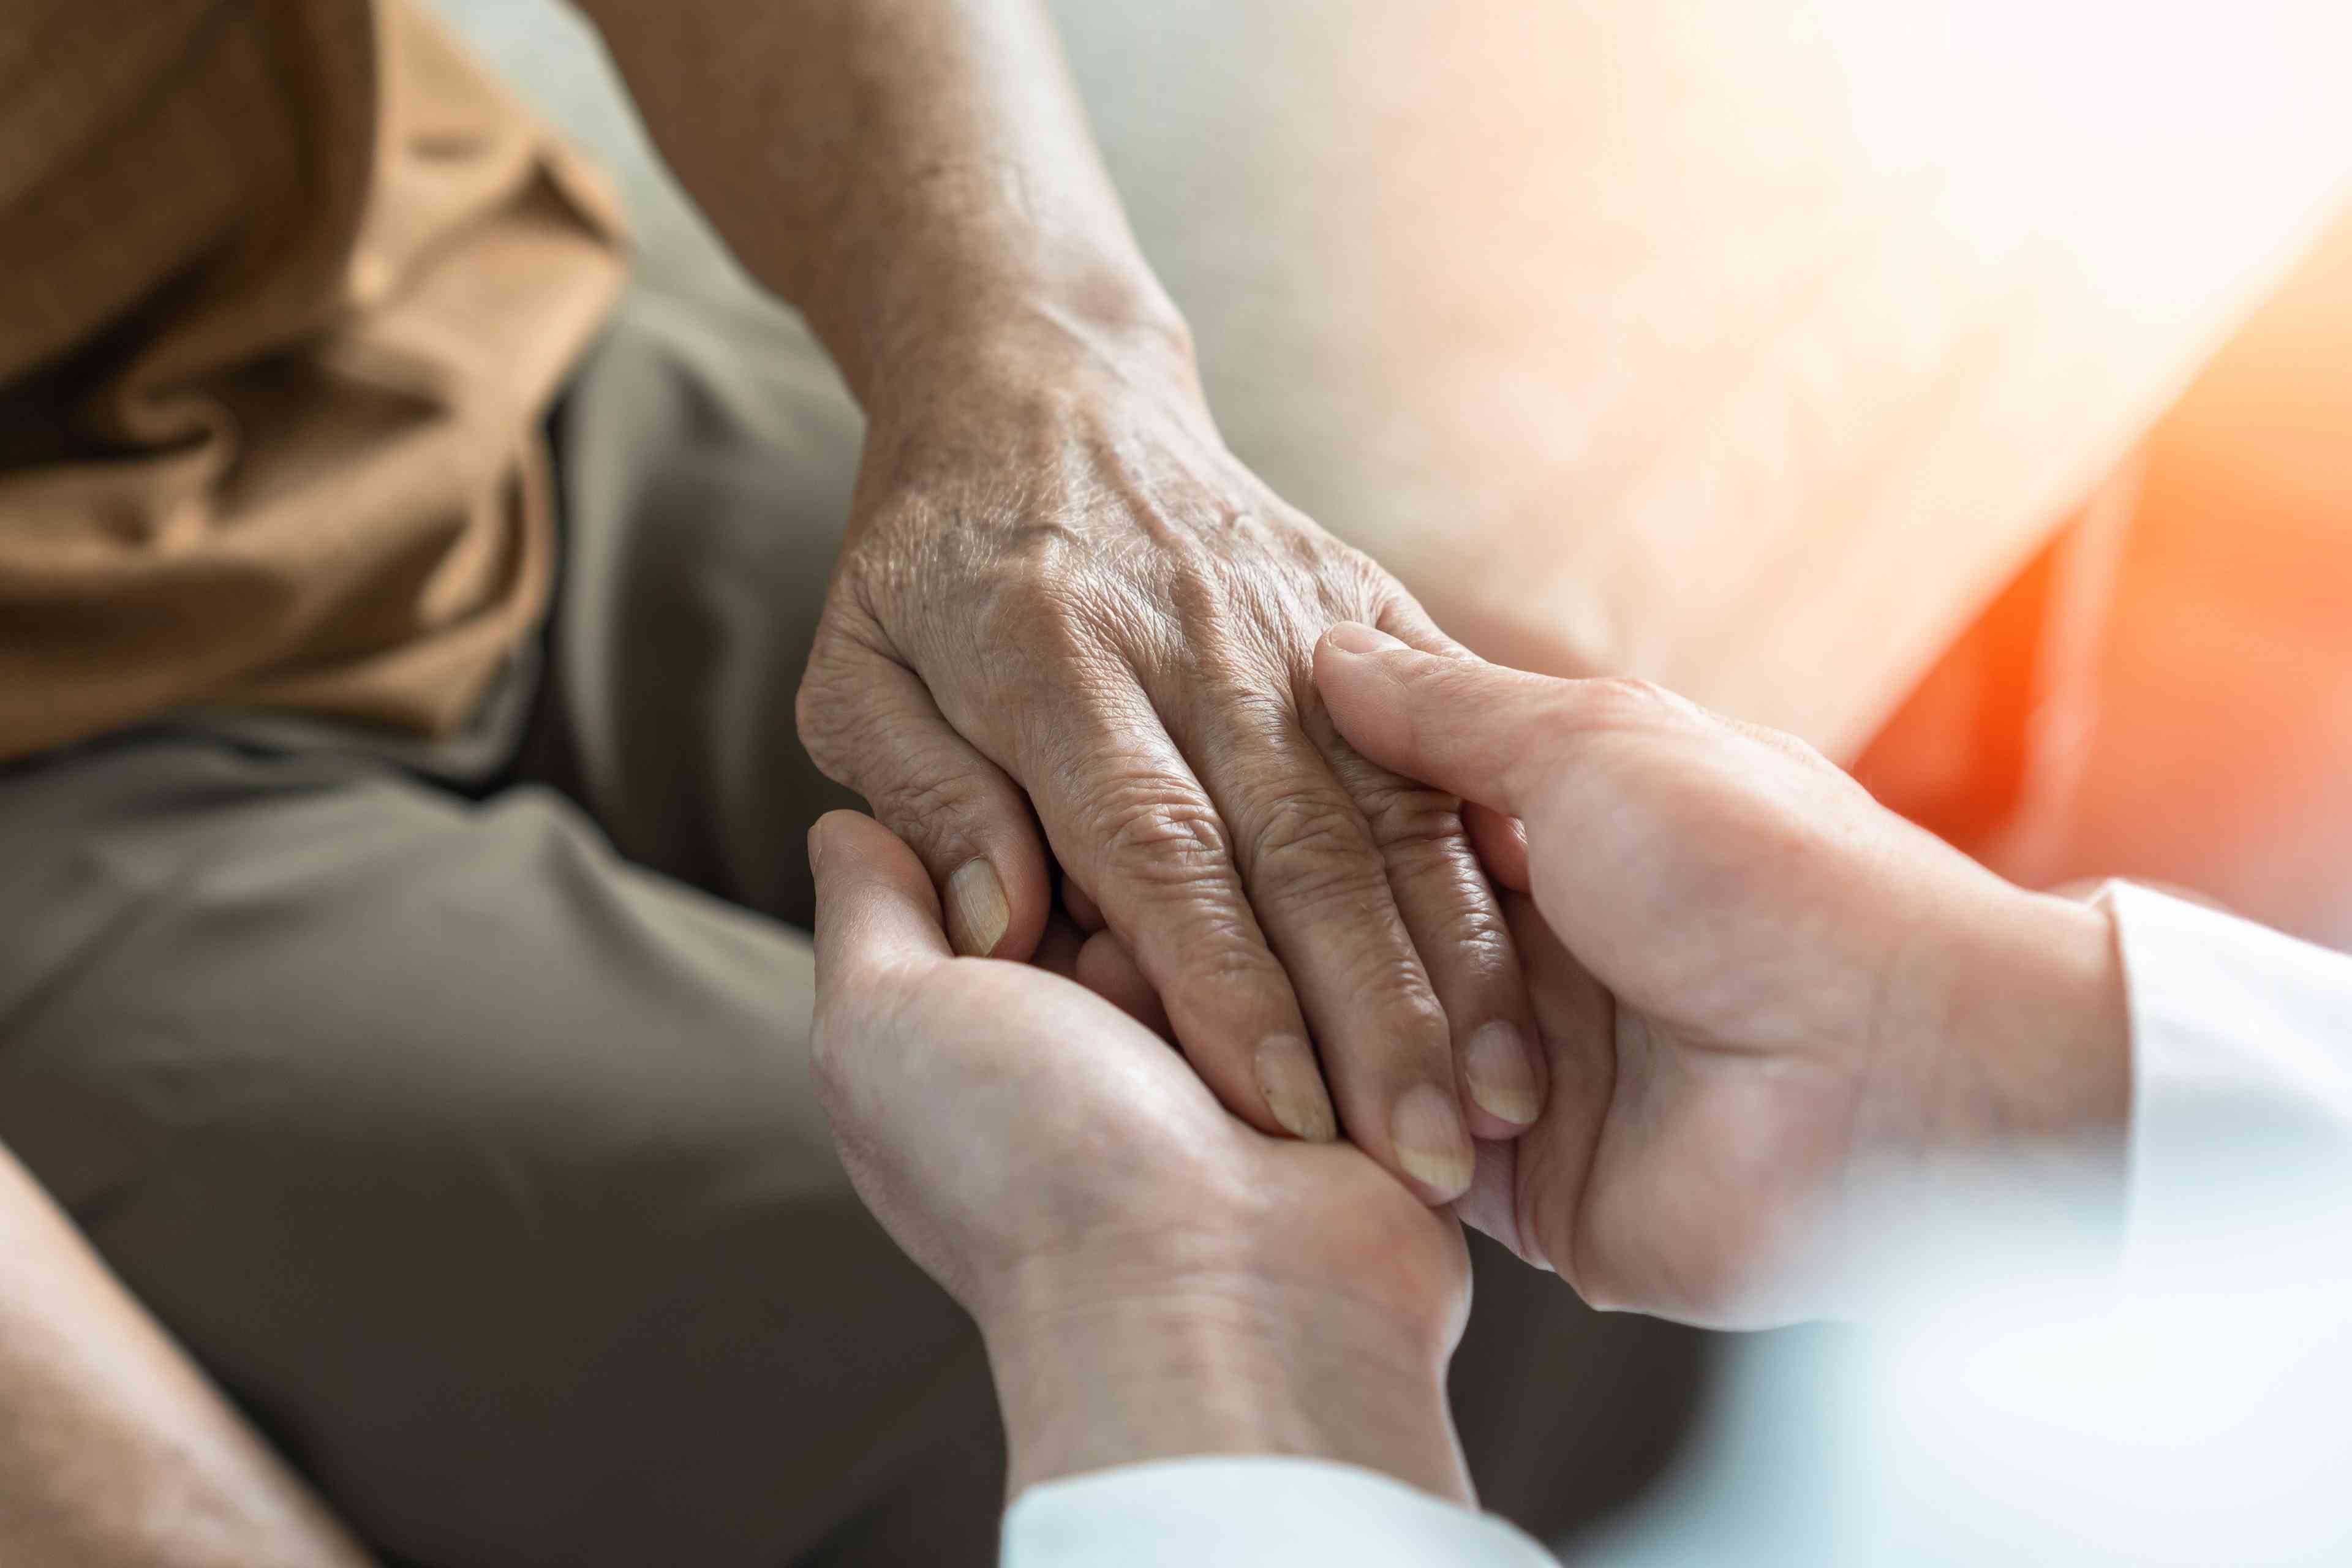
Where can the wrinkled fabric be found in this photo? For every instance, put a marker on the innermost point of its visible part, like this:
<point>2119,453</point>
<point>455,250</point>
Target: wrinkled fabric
<point>289,286</point>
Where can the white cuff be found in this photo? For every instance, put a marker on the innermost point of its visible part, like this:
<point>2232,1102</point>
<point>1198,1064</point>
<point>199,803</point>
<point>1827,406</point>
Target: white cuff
<point>2242,1076</point>
<point>1237,1511</point>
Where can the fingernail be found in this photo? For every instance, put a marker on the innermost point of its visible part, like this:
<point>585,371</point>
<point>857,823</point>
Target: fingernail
<point>1354,637</point>
<point>1430,1142</point>
<point>977,912</point>
<point>1293,1088</point>
<point>1501,1079</point>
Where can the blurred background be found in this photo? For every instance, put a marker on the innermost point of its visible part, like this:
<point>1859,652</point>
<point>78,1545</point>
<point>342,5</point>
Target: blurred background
<point>1965,387</point>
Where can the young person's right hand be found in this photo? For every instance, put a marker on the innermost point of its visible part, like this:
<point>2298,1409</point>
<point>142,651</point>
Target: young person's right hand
<point>1758,987</point>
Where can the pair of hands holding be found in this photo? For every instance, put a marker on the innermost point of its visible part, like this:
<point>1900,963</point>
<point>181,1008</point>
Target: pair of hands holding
<point>1751,985</point>
<point>1070,629</point>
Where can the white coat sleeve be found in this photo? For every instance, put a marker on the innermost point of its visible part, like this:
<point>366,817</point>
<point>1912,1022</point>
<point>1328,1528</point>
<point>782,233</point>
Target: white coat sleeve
<point>2242,1073</point>
<point>1241,1511</point>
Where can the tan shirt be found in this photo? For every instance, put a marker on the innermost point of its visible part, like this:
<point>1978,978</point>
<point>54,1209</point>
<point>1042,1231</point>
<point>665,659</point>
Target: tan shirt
<point>286,287</point>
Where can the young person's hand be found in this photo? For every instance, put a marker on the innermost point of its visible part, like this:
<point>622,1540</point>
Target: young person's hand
<point>1758,987</point>
<point>1152,1277</point>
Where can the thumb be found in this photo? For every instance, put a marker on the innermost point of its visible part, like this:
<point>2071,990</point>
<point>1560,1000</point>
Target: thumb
<point>874,907</point>
<point>1470,728</point>
<point>870,723</point>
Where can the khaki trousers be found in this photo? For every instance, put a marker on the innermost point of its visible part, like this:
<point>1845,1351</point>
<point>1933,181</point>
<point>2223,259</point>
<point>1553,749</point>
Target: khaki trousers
<point>477,1159</point>
<point>451,1105</point>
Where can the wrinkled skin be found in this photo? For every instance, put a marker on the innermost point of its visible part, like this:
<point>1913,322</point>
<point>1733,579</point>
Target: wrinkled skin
<point>1067,596</point>
<point>1760,991</point>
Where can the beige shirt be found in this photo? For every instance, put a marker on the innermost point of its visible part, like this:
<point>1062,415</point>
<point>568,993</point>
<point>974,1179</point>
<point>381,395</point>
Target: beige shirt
<point>286,287</point>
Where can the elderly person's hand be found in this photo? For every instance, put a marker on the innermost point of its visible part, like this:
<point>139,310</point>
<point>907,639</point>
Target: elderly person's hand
<point>1758,987</point>
<point>1061,592</point>
<point>1152,1277</point>
<point>1064,613</point>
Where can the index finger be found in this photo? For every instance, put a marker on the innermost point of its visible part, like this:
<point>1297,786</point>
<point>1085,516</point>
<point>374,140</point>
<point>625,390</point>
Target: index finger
<point>1119,804</point>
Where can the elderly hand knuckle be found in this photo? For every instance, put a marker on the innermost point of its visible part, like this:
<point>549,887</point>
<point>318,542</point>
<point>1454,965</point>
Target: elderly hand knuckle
<point>1030,588</point>
<point>1222,951</point>
<point>1425,860</point>
<point>1470,945</point>
<point>1482,943</point>
<point>1408,815</point>
<point>1311,847</point>
<point>830,709</point>
<point>1412,1022</point>
<point>1153,835</point>
<point>930,805</point>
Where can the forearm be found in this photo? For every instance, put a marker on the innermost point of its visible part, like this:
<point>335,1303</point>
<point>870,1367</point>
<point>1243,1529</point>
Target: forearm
<point>915,175</point>
<point>114,1450</point>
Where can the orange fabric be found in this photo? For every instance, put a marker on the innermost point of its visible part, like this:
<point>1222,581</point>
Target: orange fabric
<point>286,287</point>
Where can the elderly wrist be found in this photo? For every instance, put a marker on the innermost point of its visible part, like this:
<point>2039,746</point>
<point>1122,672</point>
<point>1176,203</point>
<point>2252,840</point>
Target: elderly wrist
<point>988,339</point>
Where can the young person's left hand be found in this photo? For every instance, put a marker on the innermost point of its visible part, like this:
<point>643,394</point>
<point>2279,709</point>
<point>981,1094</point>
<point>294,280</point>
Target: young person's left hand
<point>1152,1277</point>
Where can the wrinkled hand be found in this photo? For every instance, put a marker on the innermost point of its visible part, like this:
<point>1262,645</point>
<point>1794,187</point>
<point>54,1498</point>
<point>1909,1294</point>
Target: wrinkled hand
<point>1756,987</point>
<point>1152,1277</point>
<point>1060,590</point>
